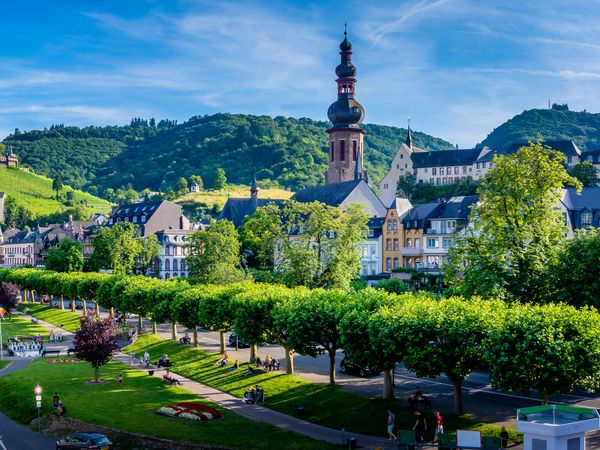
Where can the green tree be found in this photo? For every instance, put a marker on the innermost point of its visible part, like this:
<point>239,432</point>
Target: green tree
<point>517,228</point>
<point>117,248</point>
<point>214,254</point>
<point>67,257</point>
<point>586,173</point>
<point>549,348</point>
<point>260,234</point>
<point>57,185</point>
<point>220,180</point>
<point>150,248</point>
<point>314,319</point>
<point>181,186</point>
<point>576,273</point>
<point>406,186</point>
<point>392,285</point>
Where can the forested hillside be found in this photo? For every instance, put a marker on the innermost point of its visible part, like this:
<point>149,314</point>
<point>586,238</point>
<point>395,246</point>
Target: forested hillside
<point>291,153</point>
<point>548,124</point>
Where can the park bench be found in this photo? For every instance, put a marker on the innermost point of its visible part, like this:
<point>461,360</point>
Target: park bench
<point>54,352</point>
<point>171,380</point>
<point>34,320</point>
<point>71,350</point>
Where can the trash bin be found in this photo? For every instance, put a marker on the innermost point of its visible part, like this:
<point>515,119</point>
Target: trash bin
<point>351,442</point>
<point>300,410</point>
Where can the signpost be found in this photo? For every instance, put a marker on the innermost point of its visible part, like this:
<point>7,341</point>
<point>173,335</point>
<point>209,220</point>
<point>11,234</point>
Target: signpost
<point>37,390</point>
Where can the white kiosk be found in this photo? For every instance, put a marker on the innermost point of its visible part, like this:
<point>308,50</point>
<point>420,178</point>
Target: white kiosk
<point>556,427</point>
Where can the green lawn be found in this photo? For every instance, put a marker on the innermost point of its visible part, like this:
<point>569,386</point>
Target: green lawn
<point>3,364</point>
<point>131,407</point>
<point>324,404</point>
<point>17,326</point>
<point>70,320</point>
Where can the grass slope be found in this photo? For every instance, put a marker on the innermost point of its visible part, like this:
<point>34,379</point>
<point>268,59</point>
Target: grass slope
<point>131,407</point>
<point>17,326</point>
<point>35,193</point>
<point>210,198</point>
<point>69,320</point>
<point>324,404</point>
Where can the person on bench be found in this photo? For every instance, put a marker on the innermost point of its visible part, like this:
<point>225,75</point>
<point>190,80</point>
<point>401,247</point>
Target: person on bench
<point>169,378</point>
<point>164,361</point>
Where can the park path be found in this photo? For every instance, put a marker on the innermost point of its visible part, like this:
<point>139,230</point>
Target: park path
<point>253,412</point>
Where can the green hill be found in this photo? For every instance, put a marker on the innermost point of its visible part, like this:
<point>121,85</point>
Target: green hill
<point>548,124</point>
<point>30,199</point>
<point>290,153</point>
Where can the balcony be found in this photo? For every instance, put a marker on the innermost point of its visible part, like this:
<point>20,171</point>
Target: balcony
<point>412,251</point>
<point>425,267</point>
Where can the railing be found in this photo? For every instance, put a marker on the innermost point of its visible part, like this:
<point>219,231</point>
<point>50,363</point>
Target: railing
<point>423,267</point>
<point>412,251</point>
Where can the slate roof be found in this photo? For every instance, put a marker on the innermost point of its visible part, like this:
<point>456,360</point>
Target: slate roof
<point>444,158</point>
<point>458,207</point>
<point>141,208</point>
<point>423,211</point>
<point>236,209</point>
<point>566,146</point>
<point>376,224</point>
<point>593,154</point>
<point>330,194</point>
<point>588,198</point>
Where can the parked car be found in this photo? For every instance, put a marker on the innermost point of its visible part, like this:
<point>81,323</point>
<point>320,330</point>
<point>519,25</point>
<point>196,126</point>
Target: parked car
<point>84,440</point>
<point>349,367</point>
<point>233,339</point>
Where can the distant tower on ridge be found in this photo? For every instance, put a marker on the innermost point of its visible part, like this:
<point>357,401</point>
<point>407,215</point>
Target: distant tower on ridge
<point>346,114</point>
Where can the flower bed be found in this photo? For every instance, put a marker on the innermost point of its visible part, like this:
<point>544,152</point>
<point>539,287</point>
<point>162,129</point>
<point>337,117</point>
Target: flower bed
<point>62,361</point>
<point>190,411</point>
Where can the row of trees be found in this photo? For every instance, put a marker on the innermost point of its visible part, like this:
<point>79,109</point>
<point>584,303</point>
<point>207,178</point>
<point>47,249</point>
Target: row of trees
<point>547,348</point>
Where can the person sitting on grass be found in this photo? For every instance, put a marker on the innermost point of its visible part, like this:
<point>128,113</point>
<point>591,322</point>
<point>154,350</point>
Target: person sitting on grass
<point>164,361</point>
<point>222,361</point>
<point>249,372</point>
<point>171,379</point>
<point>236,366</point>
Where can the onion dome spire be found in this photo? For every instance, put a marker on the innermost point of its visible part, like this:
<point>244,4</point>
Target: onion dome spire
<point>408,136</point>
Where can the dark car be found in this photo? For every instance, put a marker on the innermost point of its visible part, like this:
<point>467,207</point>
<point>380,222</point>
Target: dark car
<point>349,367</point>
<point>233,340</point>
<point>84,440</point>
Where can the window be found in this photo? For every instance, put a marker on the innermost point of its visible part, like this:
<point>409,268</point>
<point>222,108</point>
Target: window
<point>569,159</point>
<point>342,150</point>
<point>441,171</point>
<point>433,171</point>
<point>332,151</point>
<point>388,264</point>
<point>167,265</point>
<point>397,166</point>
<point>432,242</point>
<point>478,165</point>
<point>409,242</point>
<point>371,232</point>
<point>395,245</point>
<point>464,169</point>
<point>446,243</point>
<point>451,224</point>
<point>175,265</point>
<point>437,181</point>
<point>444,180</point>
<point>395,224</point>
<point>586,219</point>
<point>432,180</point>
<point>385,186</point>
<point>134,219</point>
<point>388,244</point>
<point>417,243</point>
<point>110,221</point>
<point>483,165</point>
<point>491,165</point>
<point>143,219</point>
<point>354,150</point>
<point>425,170</point>
<point>389,225</point>
<point>449,171</point>
<point>456,171</point>
<point>401,156</point>
<point>396,263</point>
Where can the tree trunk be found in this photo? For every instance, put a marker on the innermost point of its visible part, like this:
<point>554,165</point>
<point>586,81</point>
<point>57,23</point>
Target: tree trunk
<point>84,302</point>
<point>289,360</point>
<point>154,328</point>
<point>253,353</point>
<point>139,323</point>
<point>221,342</point>
<point>72,300</point>
<point>62,302</point>
<point>24,295</point>
<point>97,308</point>
<point>32,292</point>
<point>112,312</point>
<point>196,337</point>
<point>544,398</point>
<point>458,400</point>
<point>97,374</point>
<point>174,330</point>
<point>388,385</point>
<point>331,366</point>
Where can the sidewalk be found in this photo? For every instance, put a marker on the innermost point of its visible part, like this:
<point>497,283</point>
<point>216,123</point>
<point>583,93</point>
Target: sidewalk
<point>253,412</point>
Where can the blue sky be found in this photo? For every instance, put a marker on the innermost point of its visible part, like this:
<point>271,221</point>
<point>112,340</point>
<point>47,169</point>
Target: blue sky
<point>457,68</point>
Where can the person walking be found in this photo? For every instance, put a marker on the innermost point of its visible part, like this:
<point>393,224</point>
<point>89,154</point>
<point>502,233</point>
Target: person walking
<point>439,427</point>
<point>503,437</point>
<point>147,359</point>
<point>391,422</point>
<point>419,427</point>
<point>132,358</point>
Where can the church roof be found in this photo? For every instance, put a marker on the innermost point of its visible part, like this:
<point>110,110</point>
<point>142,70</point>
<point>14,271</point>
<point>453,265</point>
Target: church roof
<point>331,194</point>
<point>444,158</point>
<point>568,147</point>
<point>237,209</point>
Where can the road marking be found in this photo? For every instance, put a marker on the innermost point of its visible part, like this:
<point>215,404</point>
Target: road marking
<point>2,444</point>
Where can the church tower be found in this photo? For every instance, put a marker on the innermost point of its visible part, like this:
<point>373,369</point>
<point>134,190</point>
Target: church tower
<point>346,114</point>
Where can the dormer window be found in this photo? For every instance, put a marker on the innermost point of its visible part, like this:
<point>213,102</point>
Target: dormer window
<point>143,219</point>
<point>134,219</point>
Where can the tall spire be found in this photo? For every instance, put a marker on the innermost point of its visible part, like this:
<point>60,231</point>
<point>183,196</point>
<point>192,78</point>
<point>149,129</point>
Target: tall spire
<point>409,136</point>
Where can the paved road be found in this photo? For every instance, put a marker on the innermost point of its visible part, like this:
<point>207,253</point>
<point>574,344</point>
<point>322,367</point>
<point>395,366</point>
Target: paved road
<point>14,436</point>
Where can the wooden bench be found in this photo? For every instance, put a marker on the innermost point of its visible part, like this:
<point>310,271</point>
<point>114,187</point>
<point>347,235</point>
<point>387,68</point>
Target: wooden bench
<point>171,381</point>
<point>71,350</point>
<point>54,352</point>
